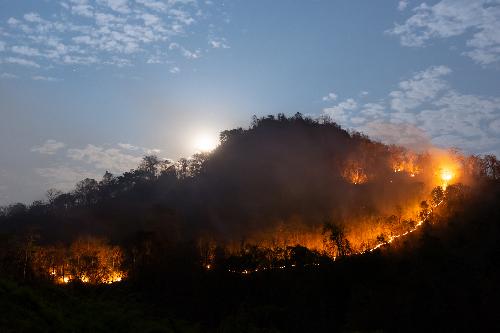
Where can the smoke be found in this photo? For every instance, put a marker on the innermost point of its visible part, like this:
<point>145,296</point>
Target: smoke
<point>282,179</point>
<point>401,134</point>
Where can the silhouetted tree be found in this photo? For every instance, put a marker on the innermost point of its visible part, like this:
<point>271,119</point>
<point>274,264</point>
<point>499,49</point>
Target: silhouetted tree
<point>336,239</point>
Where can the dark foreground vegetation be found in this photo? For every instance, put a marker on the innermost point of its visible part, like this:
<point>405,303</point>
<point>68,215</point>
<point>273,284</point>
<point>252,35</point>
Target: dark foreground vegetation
<point>170,228</point>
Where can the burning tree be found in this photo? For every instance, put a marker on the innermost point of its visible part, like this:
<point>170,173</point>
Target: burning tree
<point>335,240</point>
<point>354,172</point>
<point>87,259</point>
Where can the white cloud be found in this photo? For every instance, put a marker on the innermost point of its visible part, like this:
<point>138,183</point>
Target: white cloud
<point>423,87</point>
<point>8,76</point>
<point>181,16</point>
<point>50,147</point>
<point>120,6</point>
<point>150,19</point>
<point>33,17</point>
<point>330,97</point>
<point>174,70</point>
<point>153,4</point>
<point>21,62</point>
<point>112,159</point>
<point>478,20</point>
<point>373,110</point>
<point>2,46</point>
<point>82,8</point>
<point>128,146</point>
<point>25,51</point>
<point>143,150</point>
<point>45,78</point>
<point>185,52</point>
<point>338,112</point>
<point>218,43</point>
<point>88,162</point>
<point>402,5</point>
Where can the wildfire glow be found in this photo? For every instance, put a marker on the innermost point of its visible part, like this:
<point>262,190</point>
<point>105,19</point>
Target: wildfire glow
<point>446,175</point>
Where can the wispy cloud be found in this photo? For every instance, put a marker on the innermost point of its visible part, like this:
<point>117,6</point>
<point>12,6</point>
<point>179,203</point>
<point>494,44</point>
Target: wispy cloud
<point>174,70</point>
<point>8,76</point>
<point>21,62</point>
<point>330,97</point>
<point>218,43</point>
<point>74,164</point>
<point>185,52</point>
<point>50,147</point>
<point>478,20</point>
<point>112,159</point>
<point>45,78</point>
<point>402,5</point>
<point>341,110</point>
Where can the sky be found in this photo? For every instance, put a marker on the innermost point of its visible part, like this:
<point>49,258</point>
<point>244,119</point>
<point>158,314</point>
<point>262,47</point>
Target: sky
<point>93,85</point>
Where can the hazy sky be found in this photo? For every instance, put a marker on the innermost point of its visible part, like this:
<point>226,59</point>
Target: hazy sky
<point>93,85</point>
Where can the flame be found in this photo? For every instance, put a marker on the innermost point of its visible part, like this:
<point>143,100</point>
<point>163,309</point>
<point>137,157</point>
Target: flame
<point>446,174</point>
<point>354,173</point>
<point>379,244</point>
<point>63,279</point>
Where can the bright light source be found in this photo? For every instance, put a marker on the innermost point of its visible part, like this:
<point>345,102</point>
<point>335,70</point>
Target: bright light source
<point>446,175</point>
<point>206,143</point>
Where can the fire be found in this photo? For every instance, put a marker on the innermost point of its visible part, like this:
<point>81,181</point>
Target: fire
<point>87,260</point>
<point>372,248</point>
<point>446,175</point>
<point>354,173</point>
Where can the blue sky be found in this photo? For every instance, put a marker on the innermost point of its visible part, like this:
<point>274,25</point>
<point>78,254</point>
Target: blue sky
<point>92,85</point>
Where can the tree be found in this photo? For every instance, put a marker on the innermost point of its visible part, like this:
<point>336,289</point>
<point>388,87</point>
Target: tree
<point>437,195</point>
<point>336,239</point>
<point>197,164</point>
<point>491,166</point>
<point>52,195</point>
<point>149,165</point>
<point>424,211</point>
<point>28,247</point>
<point>182,168</point>
<point>86,191</point>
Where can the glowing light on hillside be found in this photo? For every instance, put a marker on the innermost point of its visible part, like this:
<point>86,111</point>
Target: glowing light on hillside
<point>446,175</point>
